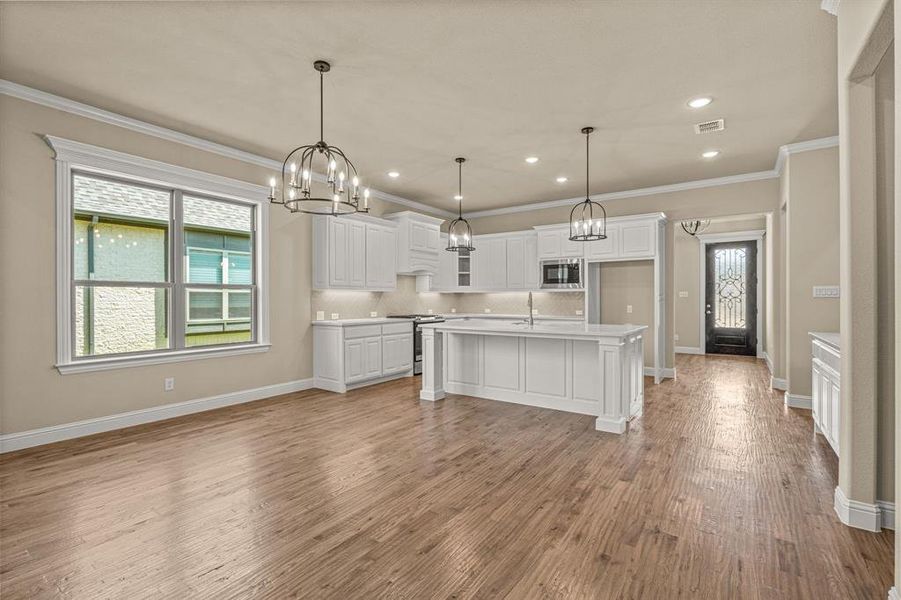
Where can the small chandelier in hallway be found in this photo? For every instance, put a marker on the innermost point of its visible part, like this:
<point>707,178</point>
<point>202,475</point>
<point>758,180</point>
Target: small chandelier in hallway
<point>587,219</point>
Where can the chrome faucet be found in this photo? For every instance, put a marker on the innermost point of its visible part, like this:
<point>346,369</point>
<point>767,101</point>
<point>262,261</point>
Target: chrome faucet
<point>531,312</point>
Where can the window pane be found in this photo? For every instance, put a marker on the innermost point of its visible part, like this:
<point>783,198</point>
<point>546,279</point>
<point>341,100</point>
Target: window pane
<point>120,231</point>
<point>204,305</point>
<point>224,217</point>
<point>239,305</point>
<point>239,272</point>
<point>112,320</point>
<point>204,266</point>
<point>218,317</point>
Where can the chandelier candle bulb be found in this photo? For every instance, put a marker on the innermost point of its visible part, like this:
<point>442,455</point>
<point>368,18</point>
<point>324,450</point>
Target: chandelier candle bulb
<point>366,199</point>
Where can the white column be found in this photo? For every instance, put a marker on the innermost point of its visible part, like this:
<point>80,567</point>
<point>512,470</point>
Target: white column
<point>432,365</point>
<point>611,415</point>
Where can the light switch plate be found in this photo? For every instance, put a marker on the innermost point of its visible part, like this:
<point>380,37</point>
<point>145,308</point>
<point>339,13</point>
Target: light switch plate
<point>373,313</point>
<point>629,309</point>
<point>534,311</point>
<point>169,384</point>
<point>826,291</point>
<point>320,315</point>
<point>487,310</point>
<point>683,294</point>
<point>675,337</point>
<point>579,313</point>
<point>334,315</point>
<point>430,311</point>
<point>453,310</point>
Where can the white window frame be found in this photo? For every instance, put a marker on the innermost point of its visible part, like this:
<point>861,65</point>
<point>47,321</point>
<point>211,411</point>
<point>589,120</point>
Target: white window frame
<point>84,158</point>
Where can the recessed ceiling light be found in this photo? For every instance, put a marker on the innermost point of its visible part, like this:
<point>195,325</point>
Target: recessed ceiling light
<point>531,159</point>
<point>710,153</point>
<point>393,174</point>
<point>700,102</point>
<point>562,180</point>
<point>458,197</point>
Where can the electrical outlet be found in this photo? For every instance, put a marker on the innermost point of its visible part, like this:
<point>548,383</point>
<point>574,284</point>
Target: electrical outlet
<point>487,310</point>
<point>683,294</point>
<point>453,310</point>
<point>534,311</point>
<point>579,313</point>
<point>430,311</point>
<point>169,384</point>
<point>629,309</point>
<point>373,313</point>
<point>675,337</point>
<point>320,315</point>
<point>335,316</point>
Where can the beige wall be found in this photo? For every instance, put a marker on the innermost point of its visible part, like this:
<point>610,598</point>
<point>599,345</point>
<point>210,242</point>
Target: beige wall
<point>686,266</point>
<point>33,393</point>
<point>354,304</point>
<point>885,285</point>
<point>721,201</point>
<point>810,191</point>
<point>624,284</point>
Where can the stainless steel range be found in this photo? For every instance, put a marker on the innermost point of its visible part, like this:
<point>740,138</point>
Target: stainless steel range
<point>417,336</point>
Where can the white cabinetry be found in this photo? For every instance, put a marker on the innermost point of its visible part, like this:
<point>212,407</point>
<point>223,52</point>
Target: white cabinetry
<point>347,356</point>
<point>628,238</point>
<point>604,249</point>
<point>826,390</point>
<point>490,262</point>
<point>354,252</point>
<point>522,262</point>
<point>418,242</point>
<point>638,239</point>
<point>554,242</point>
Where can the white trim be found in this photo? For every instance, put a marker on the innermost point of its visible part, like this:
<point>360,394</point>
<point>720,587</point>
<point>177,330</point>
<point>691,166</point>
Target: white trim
<point>665,372</point>
<point>830,6</point>
<point>331,385</point>
<point>887,510</point>
<point>806,146</point>
<point>798,401</point>
<point>687,350</point>
<point>769,362</point>
<point>860,515</point>
<point>649,191</point>
<point>46,435</point>
<point>22,92</point>
<point>71,155</point>
<point>755,235</point>
<point>778,384</point>
<point>894,594</point>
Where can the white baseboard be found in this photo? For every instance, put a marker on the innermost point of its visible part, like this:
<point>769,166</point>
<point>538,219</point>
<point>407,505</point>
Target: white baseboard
<point>687,350</point>
<point>798,401</point>
<point>860,515</point>
<point>778,384</point>
<point>46,435</point>
<point>894,594</point>
<point>769,363</point>
<point>887,510</point>
<point>665,373</point>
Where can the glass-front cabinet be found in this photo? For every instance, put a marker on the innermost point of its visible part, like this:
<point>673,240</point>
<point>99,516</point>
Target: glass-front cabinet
<point>464,269</point>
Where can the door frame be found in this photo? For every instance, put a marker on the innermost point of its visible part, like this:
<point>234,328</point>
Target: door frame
<point>755,235</point>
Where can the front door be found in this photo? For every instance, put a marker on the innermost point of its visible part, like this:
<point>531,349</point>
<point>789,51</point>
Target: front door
<point>731,298</point>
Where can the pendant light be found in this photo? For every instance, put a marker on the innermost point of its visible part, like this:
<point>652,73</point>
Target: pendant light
<point>695,227</point>
<point>587,219</point>
<point>459,233</point>
<point>339,194</point>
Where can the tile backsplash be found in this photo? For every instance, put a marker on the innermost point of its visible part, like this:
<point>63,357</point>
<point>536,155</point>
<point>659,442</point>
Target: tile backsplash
<point>351,304</point>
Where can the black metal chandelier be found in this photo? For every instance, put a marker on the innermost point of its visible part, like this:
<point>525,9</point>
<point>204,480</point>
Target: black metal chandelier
<point>695,227</point>
<point>587,219</point>
<point>339,193</point>
<point>459,233</point>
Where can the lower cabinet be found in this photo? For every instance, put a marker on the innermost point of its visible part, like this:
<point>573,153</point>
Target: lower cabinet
<point>826,392</point>
<point>347,356</point>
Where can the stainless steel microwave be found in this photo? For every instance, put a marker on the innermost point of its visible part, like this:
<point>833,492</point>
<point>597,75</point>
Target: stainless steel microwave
<point>561,274</point>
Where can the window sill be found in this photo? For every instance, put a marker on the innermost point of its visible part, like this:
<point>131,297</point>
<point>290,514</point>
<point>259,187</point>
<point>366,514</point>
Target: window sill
<point>104,364</point>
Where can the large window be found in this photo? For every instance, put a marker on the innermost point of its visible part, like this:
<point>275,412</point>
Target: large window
<point>155,270</point>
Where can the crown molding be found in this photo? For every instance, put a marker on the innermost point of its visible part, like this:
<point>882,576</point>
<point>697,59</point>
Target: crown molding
<point>649,191</point>
<point>787,149</point>
<point>36,96</point>
<point>830,6</point>
<point>15,90</point>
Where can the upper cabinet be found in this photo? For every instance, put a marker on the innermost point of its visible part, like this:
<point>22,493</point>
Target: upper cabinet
<point>418,242</point>
<point>554,242</point>
<point>354,252</point>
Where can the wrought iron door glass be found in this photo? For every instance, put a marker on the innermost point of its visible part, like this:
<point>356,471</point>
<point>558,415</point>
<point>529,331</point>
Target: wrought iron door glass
<point>730,287</point>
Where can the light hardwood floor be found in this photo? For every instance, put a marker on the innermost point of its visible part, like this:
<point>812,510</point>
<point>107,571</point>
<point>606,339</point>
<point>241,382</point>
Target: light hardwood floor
<point>717,492</point>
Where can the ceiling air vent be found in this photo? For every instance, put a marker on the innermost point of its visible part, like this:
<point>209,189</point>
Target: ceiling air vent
<point>710,126</point>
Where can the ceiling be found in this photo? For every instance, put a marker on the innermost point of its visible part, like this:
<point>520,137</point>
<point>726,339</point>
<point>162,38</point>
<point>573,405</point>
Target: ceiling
<point>415,84</point>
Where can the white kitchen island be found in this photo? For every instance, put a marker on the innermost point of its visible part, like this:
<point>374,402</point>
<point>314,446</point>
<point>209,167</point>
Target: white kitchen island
<point>588,369</point>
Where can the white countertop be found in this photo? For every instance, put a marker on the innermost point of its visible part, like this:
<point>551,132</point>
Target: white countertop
<point>827,337</point>
<point>553,329</point>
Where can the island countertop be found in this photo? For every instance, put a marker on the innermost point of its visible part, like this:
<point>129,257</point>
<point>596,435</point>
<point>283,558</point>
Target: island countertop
<point>559,329</point>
